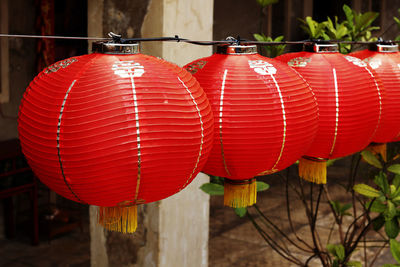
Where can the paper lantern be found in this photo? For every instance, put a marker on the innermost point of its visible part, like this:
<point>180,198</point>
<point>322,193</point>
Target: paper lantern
<point>265,117</point>
<point>349,101</point>
<point>384,59</point>
<point>115,128</point>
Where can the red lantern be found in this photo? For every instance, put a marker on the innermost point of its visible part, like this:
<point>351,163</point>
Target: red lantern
<point>265,117</point>
<point>114,129</point>
<point>349,101</point>
<point>384,59</point>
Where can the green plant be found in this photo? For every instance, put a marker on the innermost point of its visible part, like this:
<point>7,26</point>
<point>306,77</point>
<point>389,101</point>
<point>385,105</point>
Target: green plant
<point>397,21</point>
<point>369,214</point>
<point>216,188</point>
<point>356,27</point>
<point>271,50</point>
<point>274,50</point>
<point>384,199</point>
<point>314,29</point>
<point>265,3</point>
<point>359,24</point>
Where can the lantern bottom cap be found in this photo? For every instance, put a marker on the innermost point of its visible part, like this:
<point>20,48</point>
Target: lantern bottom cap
<point>312,170</point>
<point>240,195</point>
<point>378,149</point>
<point>118,219</point>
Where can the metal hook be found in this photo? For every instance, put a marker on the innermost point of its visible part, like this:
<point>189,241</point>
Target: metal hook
<point>116,37</point>
<point>232,39</point>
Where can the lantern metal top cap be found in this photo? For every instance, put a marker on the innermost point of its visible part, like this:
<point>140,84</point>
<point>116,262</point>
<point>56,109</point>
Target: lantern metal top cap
<point>385,48</point>
<point>115,48</point>
<point>236,49</point>
<point>321,47</point>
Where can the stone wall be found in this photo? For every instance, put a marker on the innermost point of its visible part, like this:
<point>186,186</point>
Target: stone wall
<point>22,63</point>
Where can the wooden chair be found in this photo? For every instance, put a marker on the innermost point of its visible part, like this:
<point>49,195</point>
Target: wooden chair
<point>11,184</point>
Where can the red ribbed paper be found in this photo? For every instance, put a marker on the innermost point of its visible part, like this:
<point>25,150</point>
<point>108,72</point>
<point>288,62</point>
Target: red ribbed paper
<point>349,101</point>
<point>386,66</point>
<point>115,129</point>
<point>265,115</point>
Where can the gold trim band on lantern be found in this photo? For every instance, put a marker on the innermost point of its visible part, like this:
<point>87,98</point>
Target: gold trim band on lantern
<point>58,141</point>
<point>221,102</point>
<point>202,133</point>
<point>135,104</point>
<point>380,99</point>
<point>284,122</point>
<point>337,110</point>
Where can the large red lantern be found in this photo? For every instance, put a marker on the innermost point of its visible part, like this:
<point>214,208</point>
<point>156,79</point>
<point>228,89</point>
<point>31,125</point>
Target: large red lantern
<point>384,59</point>
<point>265,117</point>
<point>349,102</point>
<point>115,128</point>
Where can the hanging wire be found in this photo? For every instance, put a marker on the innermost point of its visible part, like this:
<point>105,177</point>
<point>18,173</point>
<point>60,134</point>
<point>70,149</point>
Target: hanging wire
<point>52,37</point>
<point>230,40</point>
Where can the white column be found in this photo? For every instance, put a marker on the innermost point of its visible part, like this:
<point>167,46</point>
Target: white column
<point>184,217</point>
<point>176,229</point>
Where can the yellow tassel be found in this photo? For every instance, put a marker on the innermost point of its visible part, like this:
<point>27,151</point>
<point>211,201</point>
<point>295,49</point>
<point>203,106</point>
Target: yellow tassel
<point>313,170</point>
<point>119,219</point>
<point>376,149</point>
<point>240,193</point>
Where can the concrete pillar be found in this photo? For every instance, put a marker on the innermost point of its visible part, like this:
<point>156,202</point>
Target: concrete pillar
<point>174,231</point>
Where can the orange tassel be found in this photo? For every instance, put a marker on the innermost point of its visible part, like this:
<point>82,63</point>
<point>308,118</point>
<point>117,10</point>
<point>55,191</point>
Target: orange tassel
<point>119,219</point>
<point>313,170</point>
<point>240,193</point>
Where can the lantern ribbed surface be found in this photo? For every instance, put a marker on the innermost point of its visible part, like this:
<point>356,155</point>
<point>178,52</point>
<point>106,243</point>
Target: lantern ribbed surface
<point>349,101</point>
<point>265,115</point>
<point>386,66</point>
<point>113,130</point>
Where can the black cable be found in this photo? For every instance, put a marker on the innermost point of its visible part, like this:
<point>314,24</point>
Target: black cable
<point>230,40</point>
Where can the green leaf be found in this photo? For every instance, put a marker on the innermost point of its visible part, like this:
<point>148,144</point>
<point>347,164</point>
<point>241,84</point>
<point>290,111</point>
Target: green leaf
<point>340,209</point>
<point>395,249</point>
<point>396,180</point>
<point>354,264</point>
<point>392,190</point>
<point>261,186</point>
<point>213,189</point>
<point>392,228</point>
<point>364,20</point>
<point>345,207</point>
<point>371,159</point>
<point>340,252</point>
<point>395,168</point>
<point>335,206</point>
<point>336,250</point>
<point>331,249</point>
<point>390,265</point>
<point>390,211</point>
<point>260,37</point>
<point>349,15</point>
<point>396,194</point>
<point>381,180</point>
<point>366,190</point>
<point>378,223</point>
<point>377,206</point>
<point>240,211</point>
<point>265,3</point>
